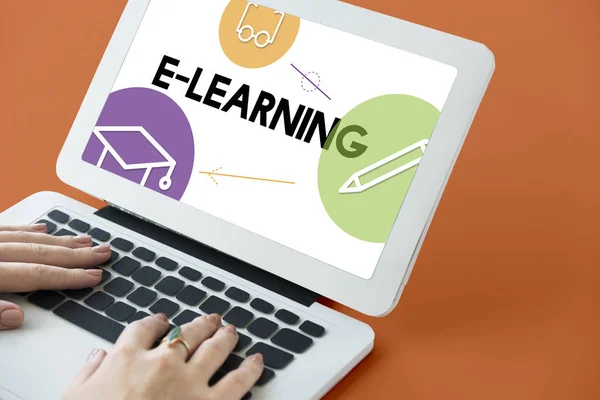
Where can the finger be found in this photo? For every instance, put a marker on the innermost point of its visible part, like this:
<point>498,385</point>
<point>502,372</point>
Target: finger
<point>91,365</point>
<point>73,242</point>
<point>11,316</point>
<point>213,352</point>
<point>41,228</point>
<point>54,255</point>
<point>19,277</point>
<point>194,333</point>
<point>144,332</point>
<point>239,382</point>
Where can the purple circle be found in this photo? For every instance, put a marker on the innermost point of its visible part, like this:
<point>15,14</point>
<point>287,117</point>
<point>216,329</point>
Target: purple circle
<point>172,149</point>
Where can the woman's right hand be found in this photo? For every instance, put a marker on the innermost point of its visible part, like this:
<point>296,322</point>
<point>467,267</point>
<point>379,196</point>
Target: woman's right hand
<point>136,371</point>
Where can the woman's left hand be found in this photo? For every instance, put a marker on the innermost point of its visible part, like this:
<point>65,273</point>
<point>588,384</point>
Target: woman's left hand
<point>32,260</point>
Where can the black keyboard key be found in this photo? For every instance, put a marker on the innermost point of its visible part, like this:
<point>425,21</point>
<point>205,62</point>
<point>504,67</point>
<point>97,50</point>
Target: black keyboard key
<point>243,342</point>
<point>232,362</point>
<point>46,299</point>
<point>165,306</point>
<point>262,327</point>
<point>237,294</point>
<point>89,320</point>
<point>99,301</point>
<point>262,306</point>
<point>78,294</point>
<point>137,316</point>
<point>79,225</point>
<point>169,286</point>
<point>122,244</point>
<point>58,216</point>
<point>120,311</point>
<point>216,378</point>
<point>213,284</point>
<point>185,317</point>
<point>105,277</point>
<point>99,234</point>
<point>312,329</point>
<point>190,273</point>
<point>292,340</point>
<point>191,295</point>
<point>144,254</point>
<point>50,227</point>
<point>113,257</point>
<point>166,263</point>
<point>126,266</point>
<point>214,305</point>
<point>118,287</point>
<point>273,357</point>
<point>265,377</point>
<point>287,317</point>
<point>65,232</point>
<point>142,296</point>
<point>238,317</point>
<point>146,276</point>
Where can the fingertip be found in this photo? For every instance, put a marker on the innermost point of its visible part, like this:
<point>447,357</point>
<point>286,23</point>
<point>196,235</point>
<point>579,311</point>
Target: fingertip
<point>93,361</point>
<point>41,228</point>
<point>257,359</point>
<point>96,355</point>
<point>102,249</point>
<point>94,272</point>
<point>82,241</point>
<point>11,318</point>
<point>163,317</point>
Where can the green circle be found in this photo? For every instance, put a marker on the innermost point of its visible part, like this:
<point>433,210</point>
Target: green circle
<point>376,129</point>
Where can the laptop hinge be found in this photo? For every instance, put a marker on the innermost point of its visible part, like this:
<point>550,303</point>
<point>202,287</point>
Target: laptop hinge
<point>208,254</point>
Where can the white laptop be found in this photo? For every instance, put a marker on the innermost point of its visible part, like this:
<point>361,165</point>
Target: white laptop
<point>255,158</point>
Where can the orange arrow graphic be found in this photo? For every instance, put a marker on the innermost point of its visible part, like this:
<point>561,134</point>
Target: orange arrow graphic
<point>214,172</point>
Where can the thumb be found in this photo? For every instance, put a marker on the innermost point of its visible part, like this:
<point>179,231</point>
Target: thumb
<point>11,316</point>
<point>92,363</point>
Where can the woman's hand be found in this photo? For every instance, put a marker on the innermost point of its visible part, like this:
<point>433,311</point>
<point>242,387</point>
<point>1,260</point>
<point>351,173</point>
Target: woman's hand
<point>135,371</point>
<point>32,260</point>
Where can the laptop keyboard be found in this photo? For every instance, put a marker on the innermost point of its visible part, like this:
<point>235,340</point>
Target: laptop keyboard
<point>134,285</point>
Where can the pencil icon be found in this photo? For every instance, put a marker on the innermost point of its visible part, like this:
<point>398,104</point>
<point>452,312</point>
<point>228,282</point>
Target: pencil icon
<point>354,185</point>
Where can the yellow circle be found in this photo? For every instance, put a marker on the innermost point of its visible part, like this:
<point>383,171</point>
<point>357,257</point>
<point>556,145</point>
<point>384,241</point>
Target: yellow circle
<point>254,36</point>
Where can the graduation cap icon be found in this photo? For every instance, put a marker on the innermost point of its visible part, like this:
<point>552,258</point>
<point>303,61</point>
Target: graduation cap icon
<point>135,149</point>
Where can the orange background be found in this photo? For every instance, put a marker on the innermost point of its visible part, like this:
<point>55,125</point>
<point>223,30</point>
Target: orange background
<point>504,302</point>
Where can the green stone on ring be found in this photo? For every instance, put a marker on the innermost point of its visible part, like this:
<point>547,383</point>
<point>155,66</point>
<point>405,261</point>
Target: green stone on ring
<point>174,334</point>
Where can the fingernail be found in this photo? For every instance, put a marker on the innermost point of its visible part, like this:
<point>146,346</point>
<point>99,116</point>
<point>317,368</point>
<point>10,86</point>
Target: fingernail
<point>103,248</point>
<point>83,239</point>
<point>231,329</point>
<point>11,318</point>
<point>216,318</point>
<point>39,227</point>
<point>257,358</point>
<point>93,354</point>
<point>162,316</point>
<point>94,272</point>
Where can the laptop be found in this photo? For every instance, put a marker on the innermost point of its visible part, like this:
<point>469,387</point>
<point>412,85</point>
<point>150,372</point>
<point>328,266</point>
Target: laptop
<point>255,157</point>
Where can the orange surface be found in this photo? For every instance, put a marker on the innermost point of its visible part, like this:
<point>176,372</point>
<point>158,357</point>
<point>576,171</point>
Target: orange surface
<point>504,301</point>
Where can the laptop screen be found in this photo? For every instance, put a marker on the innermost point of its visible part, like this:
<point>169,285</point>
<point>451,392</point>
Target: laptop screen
<point>303,134</point>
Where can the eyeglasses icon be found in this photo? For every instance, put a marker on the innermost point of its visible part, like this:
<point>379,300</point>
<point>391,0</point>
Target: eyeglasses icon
<point>252,35</point>
<point>166,162</point>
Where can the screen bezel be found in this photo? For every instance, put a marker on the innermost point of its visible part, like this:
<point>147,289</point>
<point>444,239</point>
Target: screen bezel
<point>376,296</point>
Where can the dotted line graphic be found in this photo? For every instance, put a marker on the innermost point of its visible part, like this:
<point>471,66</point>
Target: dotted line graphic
<point>212,172</point>
<point>311,88</point>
